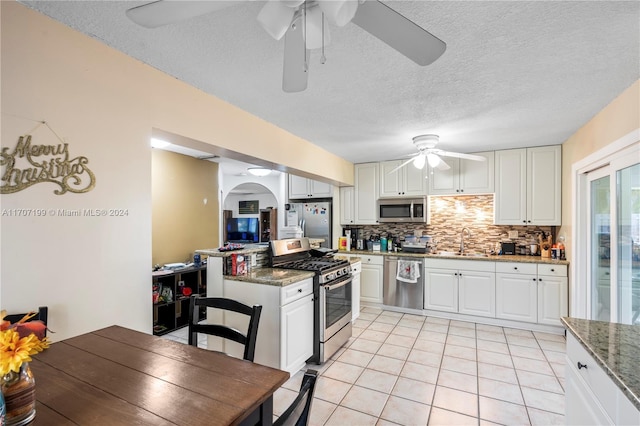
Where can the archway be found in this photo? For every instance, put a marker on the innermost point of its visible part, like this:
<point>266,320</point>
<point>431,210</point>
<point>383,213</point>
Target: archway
<point>249,213</point>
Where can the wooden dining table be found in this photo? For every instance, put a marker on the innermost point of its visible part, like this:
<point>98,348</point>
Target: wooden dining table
<point>118,376</point>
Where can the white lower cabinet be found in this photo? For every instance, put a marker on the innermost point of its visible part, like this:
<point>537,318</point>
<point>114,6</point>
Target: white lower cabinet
<point>591,396</point>
<point>466,287</point>
<point>371,279</point>
<point>296,333</point>
<point>553,298</point>
<point>517,297</point>
<point>477,293</point>
<point>285,331</point>
<point>441,290</point>
<point>356,270</point>
<point>530,292</point>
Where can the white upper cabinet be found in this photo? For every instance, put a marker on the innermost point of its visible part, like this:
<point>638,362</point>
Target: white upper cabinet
<point>464,176</point>
<point>346,205</point>
<point>405,182</point>
<point>528,186</point>
<point>300,187</point>
<point>365,195</point>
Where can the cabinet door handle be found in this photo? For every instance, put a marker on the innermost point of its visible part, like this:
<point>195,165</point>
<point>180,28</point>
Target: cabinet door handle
<point>539,279</point>
<point>553,270</point>
<point>534,279</point>
<point>581,366</point>
<point>515,267</point>
<point>299,290</point>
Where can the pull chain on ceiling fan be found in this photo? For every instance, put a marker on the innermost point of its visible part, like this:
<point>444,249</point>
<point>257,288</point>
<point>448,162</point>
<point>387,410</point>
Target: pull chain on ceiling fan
<point>284,18</point>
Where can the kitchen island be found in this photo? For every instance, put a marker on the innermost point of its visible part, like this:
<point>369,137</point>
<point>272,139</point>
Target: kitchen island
<point>603,378</point>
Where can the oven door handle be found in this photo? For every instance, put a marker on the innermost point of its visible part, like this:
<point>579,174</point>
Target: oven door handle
<point>338,285</point>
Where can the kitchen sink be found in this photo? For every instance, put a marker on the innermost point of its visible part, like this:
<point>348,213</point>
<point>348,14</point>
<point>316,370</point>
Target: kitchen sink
<point>475,255</point>
<point>455,253</point>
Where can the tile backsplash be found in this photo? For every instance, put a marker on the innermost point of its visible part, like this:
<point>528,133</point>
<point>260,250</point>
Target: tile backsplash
<point>450,214</point>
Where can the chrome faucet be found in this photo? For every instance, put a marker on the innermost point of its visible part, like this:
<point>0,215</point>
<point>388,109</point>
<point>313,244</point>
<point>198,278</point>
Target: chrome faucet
<point>462,238</point>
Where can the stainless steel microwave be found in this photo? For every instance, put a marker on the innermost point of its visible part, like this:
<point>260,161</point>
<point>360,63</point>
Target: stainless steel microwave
<point>402,210</point>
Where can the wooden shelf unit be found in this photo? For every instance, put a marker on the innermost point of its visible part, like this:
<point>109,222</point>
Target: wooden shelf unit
<point>173,313</point>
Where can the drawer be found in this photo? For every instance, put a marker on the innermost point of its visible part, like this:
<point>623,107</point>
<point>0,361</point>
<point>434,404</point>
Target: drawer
<point>594,376</point>
<point>372,260</point>
<point>466,265</point>
<point>517,268</point>
<point>296,291</point>
<point>552,270</point>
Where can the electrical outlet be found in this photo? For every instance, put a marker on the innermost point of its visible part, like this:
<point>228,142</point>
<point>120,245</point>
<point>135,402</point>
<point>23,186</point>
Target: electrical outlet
<point>513,234</point>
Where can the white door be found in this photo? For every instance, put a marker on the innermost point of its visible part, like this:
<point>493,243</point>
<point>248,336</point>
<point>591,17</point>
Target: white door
<point>320,189</point>
<point>445,182</point>
<point>552,299</point>
<point>371,283</point>
<point>543,185</point>
<point>414,183</point>
<point>511,187</point>
<point>441,290</point>
<point>390,181</point>
<point>477,293</point>
<point>366,194</point>
<point>477,177</point>
<point>296,331</point>
<point>298,187</point>
<point>516,297</point>
<point>612,261</point>
<point>346,205</point>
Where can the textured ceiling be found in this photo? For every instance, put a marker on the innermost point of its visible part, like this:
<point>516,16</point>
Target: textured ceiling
<point>515,73</point>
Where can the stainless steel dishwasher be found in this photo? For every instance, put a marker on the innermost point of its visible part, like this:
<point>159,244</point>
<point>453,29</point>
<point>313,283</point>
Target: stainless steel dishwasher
<point>401,293</point>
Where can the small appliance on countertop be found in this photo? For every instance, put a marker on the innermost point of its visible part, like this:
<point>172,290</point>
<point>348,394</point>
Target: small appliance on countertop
<point>508,248</point>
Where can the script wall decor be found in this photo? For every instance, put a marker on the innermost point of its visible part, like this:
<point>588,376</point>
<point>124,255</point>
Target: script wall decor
<point>29,163</point>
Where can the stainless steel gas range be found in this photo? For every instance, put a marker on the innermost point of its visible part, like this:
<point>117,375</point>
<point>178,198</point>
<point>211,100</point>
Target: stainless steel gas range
<point>332,293</point>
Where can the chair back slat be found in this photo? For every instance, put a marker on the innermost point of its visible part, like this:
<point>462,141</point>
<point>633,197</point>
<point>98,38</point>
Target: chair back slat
<point>42,315</point>
<point>247,339</point>
<point>298,413</point>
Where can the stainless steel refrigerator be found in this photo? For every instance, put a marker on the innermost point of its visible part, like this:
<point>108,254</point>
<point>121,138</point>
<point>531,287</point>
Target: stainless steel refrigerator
<point>314,219</point>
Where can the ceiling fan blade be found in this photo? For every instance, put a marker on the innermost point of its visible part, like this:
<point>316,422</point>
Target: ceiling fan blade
<point>159,13</point>
<point>460,155</point>
<point>399,32</point>
<point>402,165</point>
<point>442,165</point>
<point>296,59</point>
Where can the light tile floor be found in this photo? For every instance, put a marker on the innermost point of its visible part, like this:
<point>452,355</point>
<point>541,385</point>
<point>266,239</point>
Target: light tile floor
<point>403,369</point>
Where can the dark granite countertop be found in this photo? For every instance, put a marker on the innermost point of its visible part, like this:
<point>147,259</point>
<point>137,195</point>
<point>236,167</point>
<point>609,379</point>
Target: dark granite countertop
<point>615,347</point>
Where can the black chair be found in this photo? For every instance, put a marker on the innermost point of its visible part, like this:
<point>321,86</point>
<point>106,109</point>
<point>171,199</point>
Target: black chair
<point>298,412</point>
<point>248,339</point>
<point>43,313</point>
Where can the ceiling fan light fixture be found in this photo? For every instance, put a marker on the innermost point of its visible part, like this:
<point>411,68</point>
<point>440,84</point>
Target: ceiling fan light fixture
<point>259,171</point>
<point>340,12</point>
<point>316,29</point>
<point>275,18</point>
<point>434,160</point>
<point>419,161</point>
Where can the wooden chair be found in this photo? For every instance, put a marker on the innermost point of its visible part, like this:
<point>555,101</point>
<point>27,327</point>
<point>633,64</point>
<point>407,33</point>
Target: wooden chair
<point>248,339</point>
<point>298,412</point>
<point>43,313</point>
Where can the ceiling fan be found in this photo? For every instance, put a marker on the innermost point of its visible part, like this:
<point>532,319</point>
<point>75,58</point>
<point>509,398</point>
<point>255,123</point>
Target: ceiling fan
<point>428,153</point>
<point>302,23</point>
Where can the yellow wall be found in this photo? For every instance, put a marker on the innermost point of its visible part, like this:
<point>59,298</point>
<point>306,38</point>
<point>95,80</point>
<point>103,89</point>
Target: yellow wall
<point>181,219</point>
<point>617,119</point>
<point>106,105</point>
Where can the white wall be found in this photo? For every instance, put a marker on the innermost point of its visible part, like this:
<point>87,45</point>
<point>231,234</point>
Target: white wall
<point>264,201</point>
<point>93,272</point>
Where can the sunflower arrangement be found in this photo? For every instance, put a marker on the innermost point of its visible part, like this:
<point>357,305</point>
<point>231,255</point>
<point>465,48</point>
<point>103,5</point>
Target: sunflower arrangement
<point>18,342</point>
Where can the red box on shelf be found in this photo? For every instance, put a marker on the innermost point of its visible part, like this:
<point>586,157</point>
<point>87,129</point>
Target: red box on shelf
<point>238,264</point>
